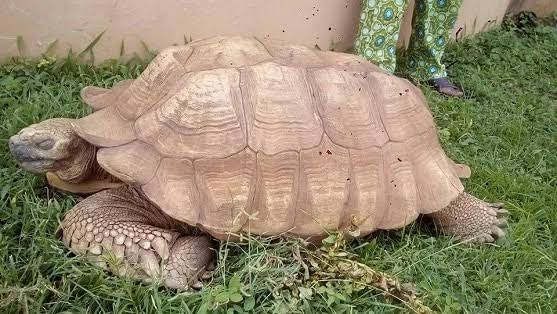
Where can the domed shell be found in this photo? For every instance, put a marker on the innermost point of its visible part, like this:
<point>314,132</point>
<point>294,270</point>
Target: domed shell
<point>236,134</point>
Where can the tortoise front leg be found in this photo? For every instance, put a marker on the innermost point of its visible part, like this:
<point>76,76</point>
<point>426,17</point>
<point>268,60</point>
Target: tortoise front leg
<point>121,231</point>
<point>471,219</point>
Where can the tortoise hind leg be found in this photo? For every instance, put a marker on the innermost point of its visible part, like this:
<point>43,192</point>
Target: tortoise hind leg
<point>121,231</point>
<point>471,219</point>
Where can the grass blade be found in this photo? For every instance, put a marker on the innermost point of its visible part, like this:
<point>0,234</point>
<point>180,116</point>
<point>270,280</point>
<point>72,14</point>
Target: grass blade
<point>50,48</point>
<point>20,46</point>
<point>150,54</point>
<point>122,51</point>
<point>91,45</point>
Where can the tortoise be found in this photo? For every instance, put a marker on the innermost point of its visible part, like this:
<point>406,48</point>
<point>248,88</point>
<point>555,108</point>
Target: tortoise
<point>232,135</point>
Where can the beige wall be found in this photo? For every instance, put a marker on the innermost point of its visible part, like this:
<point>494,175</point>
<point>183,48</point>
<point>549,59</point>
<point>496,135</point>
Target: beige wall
<point>540,7</point>
<point>75,23</point>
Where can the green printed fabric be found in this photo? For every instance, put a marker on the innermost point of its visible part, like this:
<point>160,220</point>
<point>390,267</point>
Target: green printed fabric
<point>432,23</point>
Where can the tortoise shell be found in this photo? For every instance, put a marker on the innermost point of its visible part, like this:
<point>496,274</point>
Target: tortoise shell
<point>235,134</point>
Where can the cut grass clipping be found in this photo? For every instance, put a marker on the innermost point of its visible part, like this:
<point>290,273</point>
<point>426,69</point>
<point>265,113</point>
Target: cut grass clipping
<point>505,128</point>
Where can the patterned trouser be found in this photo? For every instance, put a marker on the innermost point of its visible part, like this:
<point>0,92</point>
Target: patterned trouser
<point>432,24</point>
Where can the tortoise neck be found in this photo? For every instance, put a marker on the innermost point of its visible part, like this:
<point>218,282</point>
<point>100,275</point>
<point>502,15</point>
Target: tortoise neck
<point>82,166</point>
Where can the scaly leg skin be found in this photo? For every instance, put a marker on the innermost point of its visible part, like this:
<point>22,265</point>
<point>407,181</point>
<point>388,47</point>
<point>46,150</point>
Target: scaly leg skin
<point>120,230</point>
<point>471,219</point>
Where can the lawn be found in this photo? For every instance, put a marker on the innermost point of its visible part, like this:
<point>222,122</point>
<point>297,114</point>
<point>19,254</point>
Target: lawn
<point>505,128</point>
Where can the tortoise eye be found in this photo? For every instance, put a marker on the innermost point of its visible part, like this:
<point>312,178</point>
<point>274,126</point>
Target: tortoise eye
<point>46,144</point>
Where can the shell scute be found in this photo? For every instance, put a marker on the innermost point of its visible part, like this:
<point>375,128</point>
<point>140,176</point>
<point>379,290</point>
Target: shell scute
<point>226,188</point>
<point>173,189</point>
<point>99,98</point>
<point>350,117</point>
<point>280,114</point>
<point>370,191</point>
<point>226,52</point>
<point>122,161</point>
<point>403,111</point>
<point>105,128</point>
<point>293,55</point>
<point>154,83</point>
<point>349,62</point>
<point>277,186</point>
<point>204,117</point>
<point>324,189</point>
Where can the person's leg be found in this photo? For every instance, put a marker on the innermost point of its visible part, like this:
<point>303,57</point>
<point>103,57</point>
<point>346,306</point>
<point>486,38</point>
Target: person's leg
<point>432,24</point>
<point>378,31</point>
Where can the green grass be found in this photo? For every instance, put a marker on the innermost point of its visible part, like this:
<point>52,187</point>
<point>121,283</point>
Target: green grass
<point>505,129</point>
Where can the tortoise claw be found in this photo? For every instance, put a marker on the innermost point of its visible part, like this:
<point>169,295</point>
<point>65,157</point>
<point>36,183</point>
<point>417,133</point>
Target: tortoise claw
<point>502,211</point>
<point>497,232</point>
<point>491,211</point>
<point>488,239</point>
<point>482,238</point>
<point>198,285</point>
<point>207,275</point>
<point>211,266</point>
<point>497,205</point>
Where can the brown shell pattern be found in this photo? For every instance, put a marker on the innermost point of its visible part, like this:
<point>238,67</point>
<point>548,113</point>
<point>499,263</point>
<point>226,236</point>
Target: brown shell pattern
<point>235,134</point>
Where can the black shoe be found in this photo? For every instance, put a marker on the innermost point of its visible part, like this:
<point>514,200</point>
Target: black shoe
<point>444,86</point>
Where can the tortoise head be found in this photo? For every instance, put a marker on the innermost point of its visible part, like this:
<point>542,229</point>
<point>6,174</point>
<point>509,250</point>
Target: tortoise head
<point>47,146</point>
